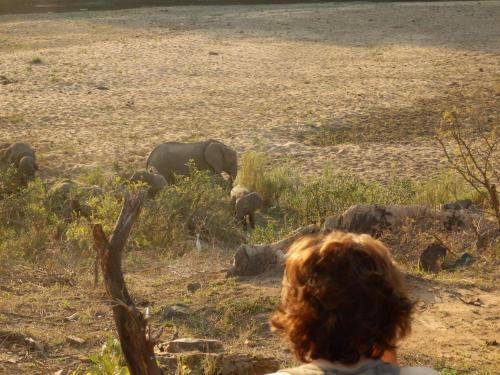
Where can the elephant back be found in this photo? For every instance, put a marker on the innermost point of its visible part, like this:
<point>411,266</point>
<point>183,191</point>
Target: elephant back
<point>171,158</point>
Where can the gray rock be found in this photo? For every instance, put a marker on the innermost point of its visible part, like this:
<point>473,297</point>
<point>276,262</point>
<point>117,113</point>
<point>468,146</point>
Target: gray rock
<point>193,287</point>
<point>465,260</point>
<point>462,204</point>
<point>177,311</point>
<point>432,257</point>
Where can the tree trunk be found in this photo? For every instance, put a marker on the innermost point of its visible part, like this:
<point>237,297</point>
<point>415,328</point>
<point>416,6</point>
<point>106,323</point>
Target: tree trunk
<point>133,329</point>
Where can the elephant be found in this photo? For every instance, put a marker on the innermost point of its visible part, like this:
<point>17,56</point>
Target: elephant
<point>246,207</point>
<point>68,196</point>
<point>22,157</point>
<point>237,192</point>
<point>171,158</point>
<point>155,181</point>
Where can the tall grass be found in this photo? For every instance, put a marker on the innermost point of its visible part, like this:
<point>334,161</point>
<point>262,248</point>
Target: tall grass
<point>309,201</point>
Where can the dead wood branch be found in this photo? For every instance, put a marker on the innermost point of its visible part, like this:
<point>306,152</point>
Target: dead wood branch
<point>251,260</point>
<point>132,326</point>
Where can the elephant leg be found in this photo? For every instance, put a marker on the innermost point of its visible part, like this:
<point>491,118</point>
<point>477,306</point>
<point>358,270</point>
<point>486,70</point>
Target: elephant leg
<point>251,219</point>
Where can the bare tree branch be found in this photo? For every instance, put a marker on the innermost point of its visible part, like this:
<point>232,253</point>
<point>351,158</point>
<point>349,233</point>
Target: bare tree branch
<point>131,325</point>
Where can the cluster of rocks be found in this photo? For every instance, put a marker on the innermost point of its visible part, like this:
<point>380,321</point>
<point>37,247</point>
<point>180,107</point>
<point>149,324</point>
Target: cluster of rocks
<point>251,260</point>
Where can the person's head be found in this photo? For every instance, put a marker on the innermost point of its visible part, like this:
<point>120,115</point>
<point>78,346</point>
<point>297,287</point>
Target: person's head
<point>343,298</point>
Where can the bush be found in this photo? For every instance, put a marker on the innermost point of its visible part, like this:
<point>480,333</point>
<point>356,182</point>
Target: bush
<point>110,361</point>
<point>194,204</point>
<point>252,168</point>
<point>28,225</point>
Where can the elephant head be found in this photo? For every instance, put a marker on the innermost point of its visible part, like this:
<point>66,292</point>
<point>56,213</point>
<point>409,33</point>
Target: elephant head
<point>28,167</point>
<point>151,177</point>
<point>222,158</point>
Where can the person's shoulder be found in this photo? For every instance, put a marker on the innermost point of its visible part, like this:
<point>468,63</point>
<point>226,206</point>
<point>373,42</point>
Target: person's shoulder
<point>418,371</point>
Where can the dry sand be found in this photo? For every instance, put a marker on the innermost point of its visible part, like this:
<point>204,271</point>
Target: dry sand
<point>113,84</point>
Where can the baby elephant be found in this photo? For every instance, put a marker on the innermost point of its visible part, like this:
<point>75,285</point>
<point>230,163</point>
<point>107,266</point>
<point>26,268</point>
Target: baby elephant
<point>22,157</point>
<point>246,206</point>
<point>237,192</point>
<point>155,181</point>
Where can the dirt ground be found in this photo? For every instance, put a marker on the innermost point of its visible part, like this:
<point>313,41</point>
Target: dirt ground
<point>456,326</point>
<point>283,79</point>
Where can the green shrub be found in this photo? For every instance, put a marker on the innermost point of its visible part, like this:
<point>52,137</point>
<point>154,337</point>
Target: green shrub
<point>194,204</point>
<point>27,223</point>
<point>445,187</point>
<point>109,361</point>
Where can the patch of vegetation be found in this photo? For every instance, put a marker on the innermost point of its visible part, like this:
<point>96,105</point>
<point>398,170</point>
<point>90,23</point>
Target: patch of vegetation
<point>36,61</point>
<point>35,219</point>
<point>109,361</point>
<point>292,202</point>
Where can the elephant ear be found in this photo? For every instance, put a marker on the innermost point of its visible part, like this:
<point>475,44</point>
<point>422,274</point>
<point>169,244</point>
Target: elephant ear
<point>214,156</point>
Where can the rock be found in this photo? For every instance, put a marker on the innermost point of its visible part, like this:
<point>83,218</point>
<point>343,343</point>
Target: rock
<point>375,218</point>
<point>331,223</point>
<point>75,340</point>
<point>251,260</point>
<point>463,204</point>
<point>72,318</point>
<point>431,258</point>
<point>178,311</point>
<point>220,364</point>
<point>194,345</point>
<point>465,260</point>
<point>213,53</point>
<point>193,287</point>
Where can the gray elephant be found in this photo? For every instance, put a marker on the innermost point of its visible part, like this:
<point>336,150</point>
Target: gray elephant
<point>22,157</point>
<point>171,158</point>
<point>155,181</point>
<point>246,206</point>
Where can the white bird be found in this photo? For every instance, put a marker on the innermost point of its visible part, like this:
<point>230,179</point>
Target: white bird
<point>199,247</point>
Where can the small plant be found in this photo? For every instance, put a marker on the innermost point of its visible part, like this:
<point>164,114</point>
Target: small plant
<point>109,361</point>
<point>36,61</point>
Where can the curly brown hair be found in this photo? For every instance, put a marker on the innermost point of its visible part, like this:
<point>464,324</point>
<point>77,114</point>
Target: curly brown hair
<point>342,298</point>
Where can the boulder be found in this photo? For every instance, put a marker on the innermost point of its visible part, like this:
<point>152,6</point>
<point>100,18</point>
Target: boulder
<point>251,260</point>
<point>464,261</point>
<point>462,204</point>
<point>178,311</point>
<point>431,259</point>
<point>375,218</point>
